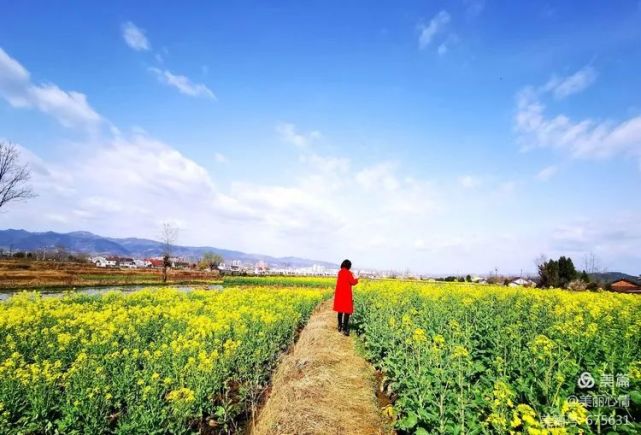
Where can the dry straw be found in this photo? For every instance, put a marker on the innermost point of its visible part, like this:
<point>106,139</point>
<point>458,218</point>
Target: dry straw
<point>322,386</point>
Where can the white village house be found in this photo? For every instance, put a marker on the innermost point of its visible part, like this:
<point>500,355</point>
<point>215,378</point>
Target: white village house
<point>522,282</point>
<point>141,264</point>
<point>100,261</point>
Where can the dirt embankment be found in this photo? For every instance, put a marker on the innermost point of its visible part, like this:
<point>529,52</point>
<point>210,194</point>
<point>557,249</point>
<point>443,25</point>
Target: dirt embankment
<point>322,387</point>
<point>24,274</point>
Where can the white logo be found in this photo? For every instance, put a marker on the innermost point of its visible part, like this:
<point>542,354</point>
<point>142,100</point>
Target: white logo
<point>585,380</point>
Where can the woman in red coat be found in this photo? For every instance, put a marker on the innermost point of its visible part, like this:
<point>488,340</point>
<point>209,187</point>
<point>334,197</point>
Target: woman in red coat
<point>343,299</point>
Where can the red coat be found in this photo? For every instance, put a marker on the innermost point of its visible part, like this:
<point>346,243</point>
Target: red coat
<point>343,299</point>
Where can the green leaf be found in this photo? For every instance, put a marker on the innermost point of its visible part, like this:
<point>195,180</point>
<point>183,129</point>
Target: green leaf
<point>423,414</point>
<point>219,411</point>
<point>421,431</point>
<point>635,396</point>
<point>409,421</point>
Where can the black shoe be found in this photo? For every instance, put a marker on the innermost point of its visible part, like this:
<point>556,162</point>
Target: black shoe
<point>346,333</point>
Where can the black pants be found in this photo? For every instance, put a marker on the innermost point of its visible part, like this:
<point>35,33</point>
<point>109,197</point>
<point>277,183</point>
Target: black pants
<point>343,322</point>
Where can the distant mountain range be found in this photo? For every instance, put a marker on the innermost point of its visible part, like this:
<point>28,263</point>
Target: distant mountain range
<point>88,243</point>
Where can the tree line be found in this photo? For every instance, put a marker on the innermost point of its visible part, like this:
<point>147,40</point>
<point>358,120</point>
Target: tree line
<point>562,273</point>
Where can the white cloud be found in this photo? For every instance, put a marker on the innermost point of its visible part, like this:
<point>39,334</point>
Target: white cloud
<point>114,184</point>
<point>408,198</point>
<point>444,47</point>
<point>142,162</point>
<point>183,84</point>
<point>132,177</point>
<point>46,179</point>
<point>586,138</point>
<point>127,185</point>
<point>438,244</point>
<point>436,25</point>
<point>220,158</point>
<point>546,173</point>
<point>135,37</point>
<point>288,209</point>
<point>12,75</point>
<point>469,182</point>
<point>562,87</point>
<point>69,108</point>
<point>289,134</point>
<point>616,237</point>
<point>326,164</point>
<point>100,204</point>
<point>378,177</point>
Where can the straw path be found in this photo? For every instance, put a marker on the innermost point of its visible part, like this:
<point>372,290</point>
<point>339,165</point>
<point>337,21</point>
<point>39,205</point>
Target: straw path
<point>322,386</point>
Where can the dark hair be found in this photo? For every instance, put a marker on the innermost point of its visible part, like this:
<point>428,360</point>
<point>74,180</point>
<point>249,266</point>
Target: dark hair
<point>346,264</point>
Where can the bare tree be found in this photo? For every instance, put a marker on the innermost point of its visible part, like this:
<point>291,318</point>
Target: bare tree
<point>592,264</point>
<point>14,177</point>
<point>210,261</point>
<point>61,253</point>
<point>168,237</point>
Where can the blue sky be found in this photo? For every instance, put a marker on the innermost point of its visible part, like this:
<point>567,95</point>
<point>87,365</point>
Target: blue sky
<point>441,137</point>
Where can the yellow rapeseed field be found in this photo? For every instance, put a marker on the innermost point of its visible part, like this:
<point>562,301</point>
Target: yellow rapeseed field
<point>454,358</point>
<point>460,358</point>
<point>155,361</point>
